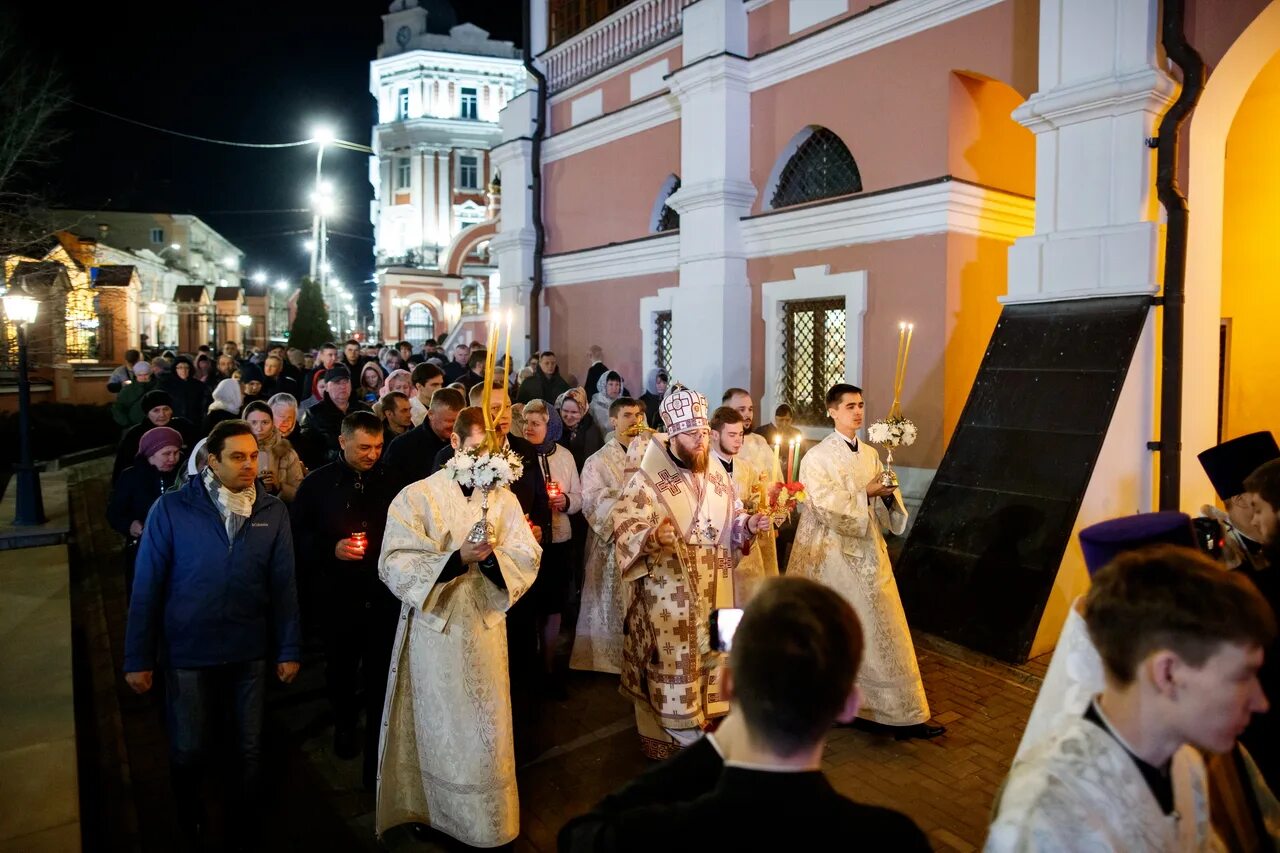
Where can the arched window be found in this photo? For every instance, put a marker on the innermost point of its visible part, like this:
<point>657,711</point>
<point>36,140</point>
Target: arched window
<point>419,324</point>
<point>665,217</point>
<point>820,166</point>
<point>473,301</point>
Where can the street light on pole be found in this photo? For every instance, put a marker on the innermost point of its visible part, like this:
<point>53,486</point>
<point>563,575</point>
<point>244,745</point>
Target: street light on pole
<point>321,135</point>
<point>29,506</point>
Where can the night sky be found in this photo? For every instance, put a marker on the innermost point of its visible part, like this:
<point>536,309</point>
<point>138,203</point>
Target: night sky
<point>241,70</point>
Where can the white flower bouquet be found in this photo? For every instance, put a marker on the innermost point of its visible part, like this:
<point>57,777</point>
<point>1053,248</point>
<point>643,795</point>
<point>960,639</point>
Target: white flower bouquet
<point>892,432</point>
<point>481,469</point>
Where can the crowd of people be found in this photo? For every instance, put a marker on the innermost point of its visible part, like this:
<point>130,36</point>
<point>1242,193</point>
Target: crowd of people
<point>277,497</point>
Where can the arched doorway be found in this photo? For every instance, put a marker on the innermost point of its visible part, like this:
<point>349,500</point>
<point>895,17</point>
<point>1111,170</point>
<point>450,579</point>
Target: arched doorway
<point>419,324</point>
<point>1233,260</point>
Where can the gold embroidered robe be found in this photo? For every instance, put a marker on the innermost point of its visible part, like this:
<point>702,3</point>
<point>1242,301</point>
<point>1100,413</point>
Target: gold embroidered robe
<point>760,561</point>
<point>839,543</point>
<point>759,453</point>
<point>667,663</point>
<point>1079,790</point>
<point>446,756</point>
<point>597,643</point>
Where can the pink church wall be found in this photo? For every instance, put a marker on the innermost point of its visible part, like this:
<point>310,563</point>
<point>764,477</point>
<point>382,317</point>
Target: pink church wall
<point>605,313</point>
<point>606,195</point>
<point>615,88</point>
<point>768,27</point>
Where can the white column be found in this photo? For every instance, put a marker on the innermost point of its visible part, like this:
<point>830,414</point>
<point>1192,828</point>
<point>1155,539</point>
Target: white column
<point>444,203</point>
<point>1102,92</point>
<point>711,309</point>
<point>512,246</point>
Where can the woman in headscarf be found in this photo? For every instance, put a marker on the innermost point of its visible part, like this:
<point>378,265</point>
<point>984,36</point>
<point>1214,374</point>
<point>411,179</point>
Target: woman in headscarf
<point>204,368</point>
<point>157,411</point>
<point>279,468</point>
<point>226,405</point>
<point>580,434</point>
<point>153,472</point>
<point>252,383</point>
<point>608,389</point>
<point>397,380</point>
<point>190,395</point>
<point>371,378</point>
<point>543,429</point>
<point>655,388</point>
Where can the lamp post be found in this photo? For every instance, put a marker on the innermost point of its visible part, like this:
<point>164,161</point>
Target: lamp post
<point>245,322</point>
<point>29,511</point>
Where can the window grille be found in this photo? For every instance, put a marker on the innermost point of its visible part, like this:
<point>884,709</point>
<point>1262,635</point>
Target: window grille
<point>813,356</point>
<point>84,326</point>
<point>404,170</point>
<point>419,324</point>
<point>662,340</point>
<point>468,172</point>
<point>822,167</point>
<point>669,219</point>
<point>468,100</point>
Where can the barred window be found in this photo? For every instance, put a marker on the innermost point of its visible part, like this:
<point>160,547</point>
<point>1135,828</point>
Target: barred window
<point>662,340</point>
<point>813,356</point>
<point>419,324</point>
<point>669,219</point>
<point>822,167</point>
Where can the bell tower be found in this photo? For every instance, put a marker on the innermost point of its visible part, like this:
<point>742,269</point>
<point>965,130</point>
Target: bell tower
<point>404,22</point>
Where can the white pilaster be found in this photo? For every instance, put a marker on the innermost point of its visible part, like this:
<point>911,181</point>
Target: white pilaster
<point>711,308</point>
<point>513,245</point>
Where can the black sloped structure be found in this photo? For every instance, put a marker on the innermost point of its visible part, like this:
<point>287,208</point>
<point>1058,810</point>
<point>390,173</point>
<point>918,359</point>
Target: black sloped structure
<point>982,556</point>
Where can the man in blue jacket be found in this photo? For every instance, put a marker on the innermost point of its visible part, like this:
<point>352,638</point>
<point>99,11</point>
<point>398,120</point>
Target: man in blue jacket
<point>215,603</point>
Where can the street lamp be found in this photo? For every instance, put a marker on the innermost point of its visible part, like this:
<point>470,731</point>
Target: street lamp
<point>21,310</point>
<point>259,277</point>
<point>282,284</point>
<point>245,321</point>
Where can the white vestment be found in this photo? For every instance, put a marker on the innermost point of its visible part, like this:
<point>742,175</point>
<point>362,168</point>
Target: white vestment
<point>761,561</point>
<point>757,452</point>
<point>446,756</point>
<point>839,543</point>
<point>1074,677</point>
<point>1078,789</point>
<point>597,643</point>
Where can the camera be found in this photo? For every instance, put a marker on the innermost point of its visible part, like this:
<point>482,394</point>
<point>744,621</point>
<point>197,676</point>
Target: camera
<point>724,623</point>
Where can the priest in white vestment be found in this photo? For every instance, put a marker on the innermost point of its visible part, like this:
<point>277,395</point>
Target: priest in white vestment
<point>751,484</point>
<point>757,452</point>
<point>839,543</point>
<point>1181,643</point>
<point>597,642</point>
<point>447,756</point>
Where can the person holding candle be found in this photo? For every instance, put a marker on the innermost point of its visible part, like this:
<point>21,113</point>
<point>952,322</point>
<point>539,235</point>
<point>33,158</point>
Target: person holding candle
<point>751,487</point>
<point>839,543</point>
<point>761,456</point>
<point>597,641</point>
<point>338,517</point>
<point>447,754</point>
<point>542,428</point>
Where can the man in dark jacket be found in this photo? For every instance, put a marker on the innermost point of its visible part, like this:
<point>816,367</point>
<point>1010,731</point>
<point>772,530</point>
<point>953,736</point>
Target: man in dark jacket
<point>456,368</point>
<point>357,612</point>
<point>410,457</point>
<point>546,383</point>
<point>214,599</point>
<point>322,423</point>
<point>790,677</point>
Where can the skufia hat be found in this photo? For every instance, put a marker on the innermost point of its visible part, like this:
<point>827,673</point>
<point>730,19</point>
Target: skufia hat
<point>1105,541</point>
<point>1229,464</point>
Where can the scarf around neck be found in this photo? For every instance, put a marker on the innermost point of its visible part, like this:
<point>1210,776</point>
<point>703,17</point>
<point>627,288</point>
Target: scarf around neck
<point>229,502</point>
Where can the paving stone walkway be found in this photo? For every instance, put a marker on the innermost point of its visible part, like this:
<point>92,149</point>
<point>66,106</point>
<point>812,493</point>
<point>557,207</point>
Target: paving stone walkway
<point>586,745</point>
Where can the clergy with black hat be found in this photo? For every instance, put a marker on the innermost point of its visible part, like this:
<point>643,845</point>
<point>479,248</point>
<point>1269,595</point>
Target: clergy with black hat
<point>157,411</point>
<point>1227,465</point>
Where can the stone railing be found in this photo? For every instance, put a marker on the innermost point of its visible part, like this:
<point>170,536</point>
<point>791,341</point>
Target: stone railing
<point>626,32</point>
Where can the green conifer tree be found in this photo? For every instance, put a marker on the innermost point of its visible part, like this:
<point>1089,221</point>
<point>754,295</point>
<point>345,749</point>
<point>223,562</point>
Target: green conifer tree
<point>311,324</point>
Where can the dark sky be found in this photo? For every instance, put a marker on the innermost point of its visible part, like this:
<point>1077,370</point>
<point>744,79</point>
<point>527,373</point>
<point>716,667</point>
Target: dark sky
<point>243,70</point>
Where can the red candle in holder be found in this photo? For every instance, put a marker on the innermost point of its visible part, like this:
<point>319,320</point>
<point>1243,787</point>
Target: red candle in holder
<point>361,539</point>
<point>553,489</point>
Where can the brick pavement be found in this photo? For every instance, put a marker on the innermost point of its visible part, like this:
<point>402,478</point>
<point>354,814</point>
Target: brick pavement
<point>586,745</point>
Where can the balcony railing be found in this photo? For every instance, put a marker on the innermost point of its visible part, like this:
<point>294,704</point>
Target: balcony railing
<point>628,31</point>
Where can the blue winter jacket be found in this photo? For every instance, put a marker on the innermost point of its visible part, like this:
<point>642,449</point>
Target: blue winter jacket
<point>221,601</point>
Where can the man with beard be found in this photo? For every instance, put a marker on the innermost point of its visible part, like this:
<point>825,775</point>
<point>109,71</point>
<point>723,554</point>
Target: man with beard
<point>676,526</point>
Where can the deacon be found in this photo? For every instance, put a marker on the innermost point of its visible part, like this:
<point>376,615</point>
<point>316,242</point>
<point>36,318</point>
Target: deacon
<point>597,642</point>
<point>1227,466</point>
<point>676,524</point>
<point>839,542</point>
<point>762,458</point>
<point>726,442</point>
<point>447,755</point>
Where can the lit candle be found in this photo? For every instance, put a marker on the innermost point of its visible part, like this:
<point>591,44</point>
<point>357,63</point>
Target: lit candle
<point>791,460</point>
<point>777,453</point>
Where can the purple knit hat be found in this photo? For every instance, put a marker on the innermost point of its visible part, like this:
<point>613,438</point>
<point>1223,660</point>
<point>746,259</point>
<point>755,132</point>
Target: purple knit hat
<point>158,438</point>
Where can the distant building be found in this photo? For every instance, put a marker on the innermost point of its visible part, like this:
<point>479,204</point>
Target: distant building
<point>439,86</point>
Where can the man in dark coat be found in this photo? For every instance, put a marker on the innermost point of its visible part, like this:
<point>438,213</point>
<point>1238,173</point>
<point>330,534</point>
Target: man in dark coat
<point>357,612</point>
<point>455,369</point>
<point>351,358</point>
<point>546,383</point>
<point>152,473</point>
<point>411,456</point>
<point>322,423</point>
<point>597,369</point>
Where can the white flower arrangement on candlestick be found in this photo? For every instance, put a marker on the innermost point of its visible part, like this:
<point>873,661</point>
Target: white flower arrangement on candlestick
<point>895,430</point>
<point>482,469</point>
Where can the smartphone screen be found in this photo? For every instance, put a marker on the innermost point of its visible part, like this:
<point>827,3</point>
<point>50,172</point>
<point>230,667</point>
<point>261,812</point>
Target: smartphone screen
<point>723,624</point>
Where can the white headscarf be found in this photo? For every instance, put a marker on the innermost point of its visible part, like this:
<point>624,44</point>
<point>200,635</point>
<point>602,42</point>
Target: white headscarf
<point>228,397</point>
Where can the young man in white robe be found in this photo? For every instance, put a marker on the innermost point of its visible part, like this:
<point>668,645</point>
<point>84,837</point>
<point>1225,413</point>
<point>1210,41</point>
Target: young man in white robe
<point>726,443</point>
<point>756,451</point>
<point>1181,643</point>
<point>839,543</point>
<point>597,642</point>
<point>447,755</point>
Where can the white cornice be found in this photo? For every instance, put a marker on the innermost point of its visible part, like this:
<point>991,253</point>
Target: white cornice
<point>949,206</point>
<point>890,23</point>
<point>610,127</point>
<point>724,69</point>
<point>945,207</point>
<point>639,257</point>
<point>1149,89</point>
